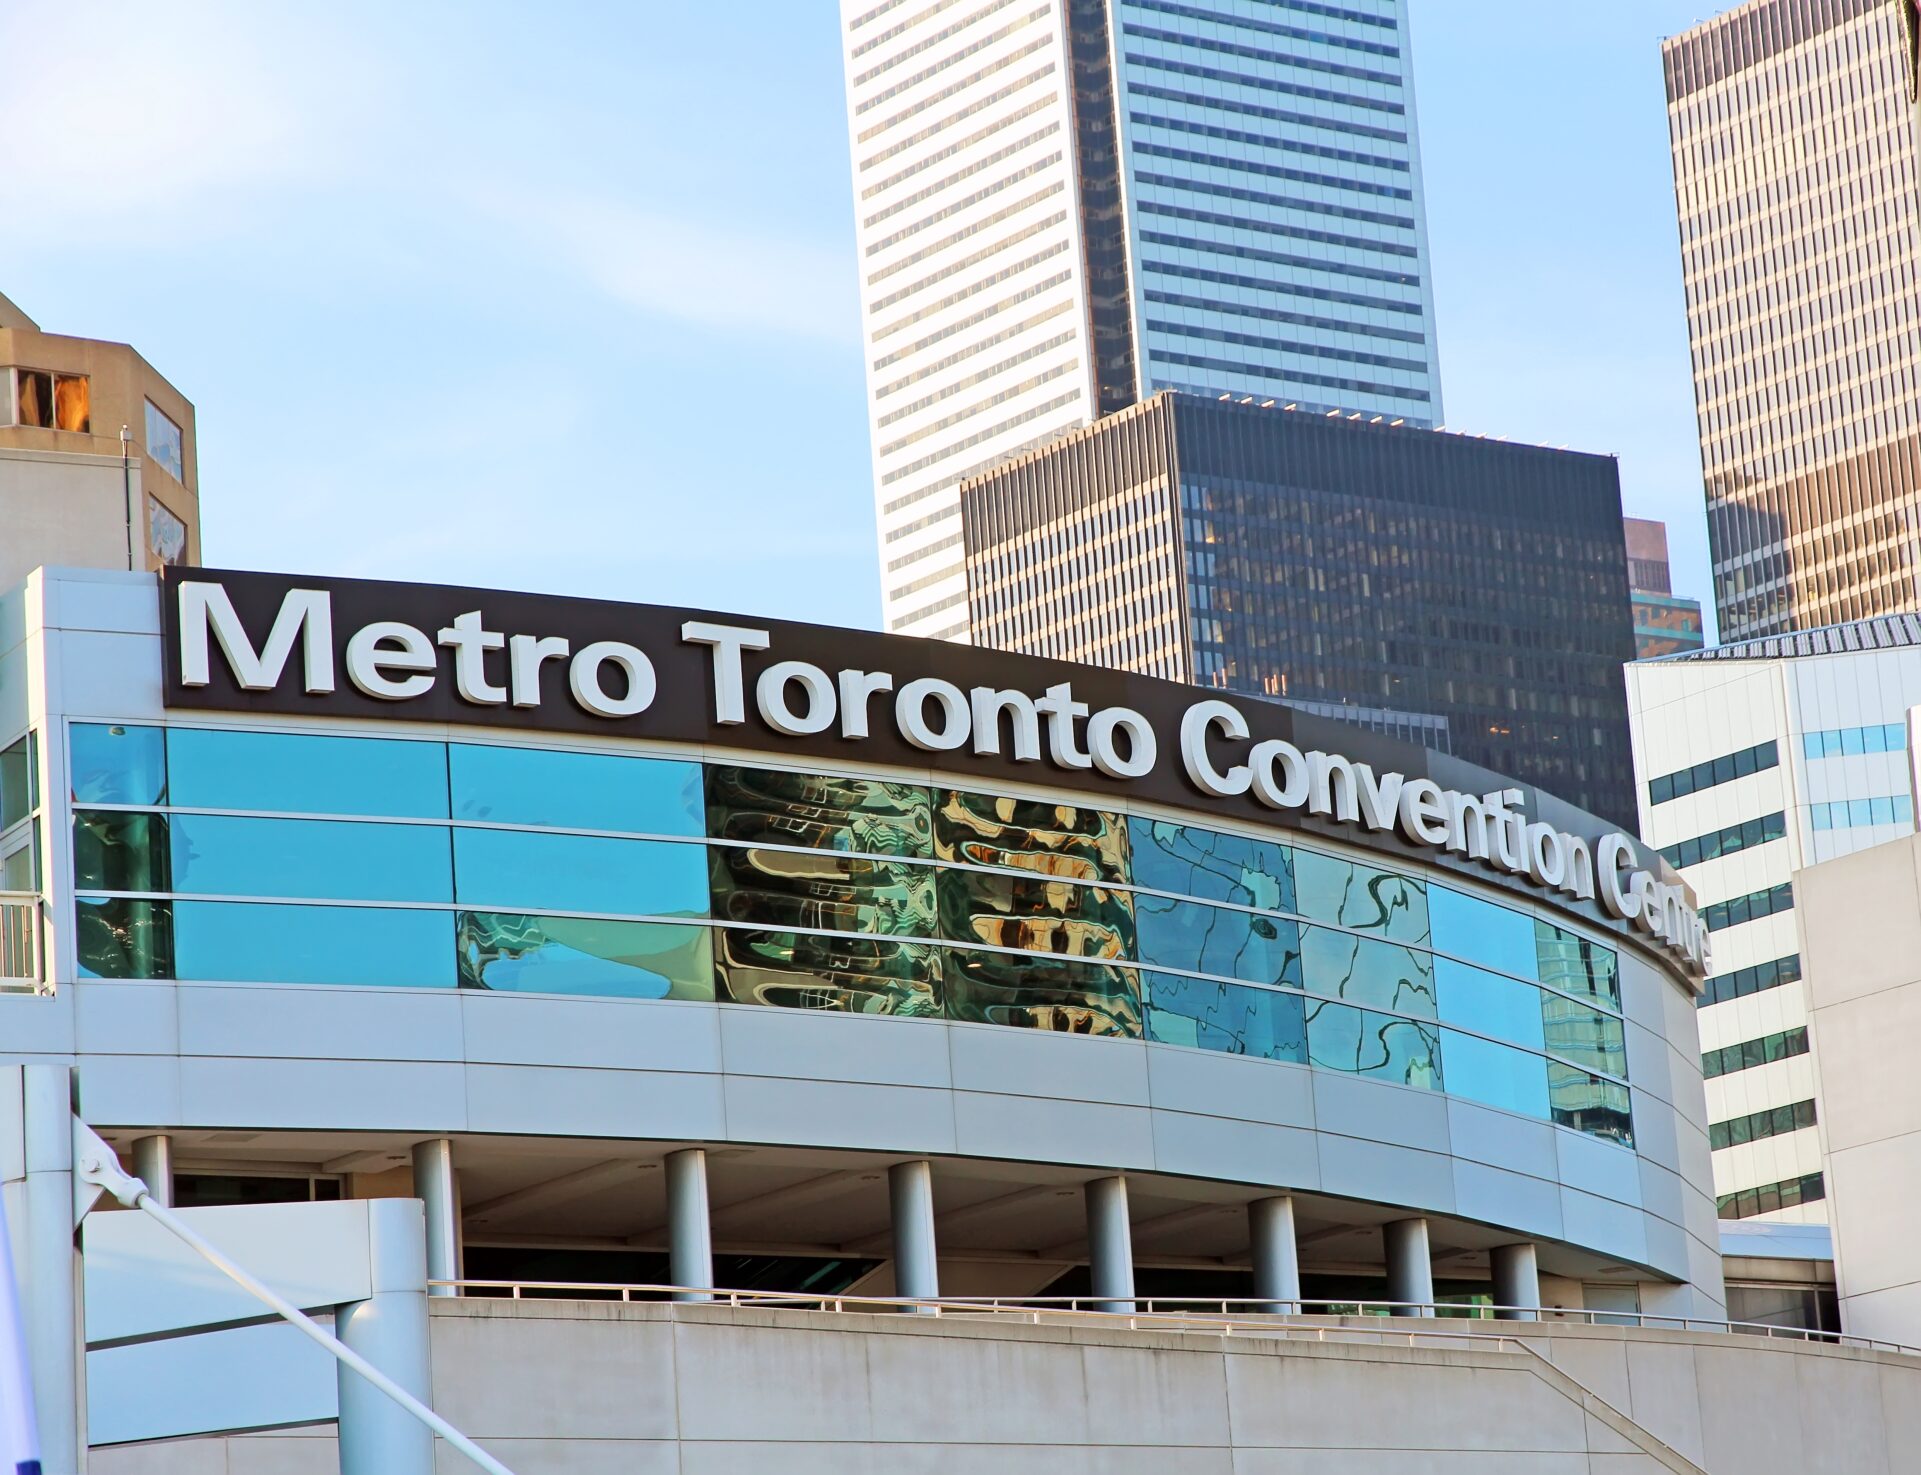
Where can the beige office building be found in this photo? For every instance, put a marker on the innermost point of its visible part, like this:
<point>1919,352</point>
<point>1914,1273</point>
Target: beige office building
<point>1794,133</point>
<point>72,491</point>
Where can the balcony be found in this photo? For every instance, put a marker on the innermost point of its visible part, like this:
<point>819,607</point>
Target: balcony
<point>20,953</point>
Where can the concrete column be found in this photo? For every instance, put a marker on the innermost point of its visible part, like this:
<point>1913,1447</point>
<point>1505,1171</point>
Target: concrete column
<point>389,1329</point>
<point>1517,1281</point>
<point>438,1187</point>
<point>690,1245</point>
<point>1110,1244</point>
<point>1277,1260</point>
<point>153,1166</point>
<point>910,1196</point>
<point>36,1171</point>
<point>1410,1270</point>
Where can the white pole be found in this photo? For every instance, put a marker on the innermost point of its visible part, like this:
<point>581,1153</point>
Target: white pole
<point>19,1436</point>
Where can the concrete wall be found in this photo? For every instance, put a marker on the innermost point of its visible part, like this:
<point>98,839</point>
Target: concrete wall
<point>1860,921</point>
<point>62,508</point>
<point>594,1389</point>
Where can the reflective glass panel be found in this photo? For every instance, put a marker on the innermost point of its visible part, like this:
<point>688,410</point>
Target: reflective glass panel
<point>117,851</point>
<point>226,855</point>
<point>1588,1104</point>
<point>124,938</point>
<point>1204,939</point>
<point>1038,913</point>
<point>527,870</point>
<point>1487,1002</point>
<point>1585,1036</point>
<point>765,806</point>
<point>1493,936</point>
<point>1226,1016</point>
<point>20,866</point>
<point>575,791</point>
<point>165,445</point>
<point>17,782</point>
<point>1030,835</point>
<point>296,773</point>
<point>1577,966</point>
<point>1361,897</point>
<point>849,975</point>
<point>118,765</point>
<point>1361,1042</point>
<point>256,942</point>
<point>1043,993</point>
<point>821,888</point>
<point>1215,867</point>
<point>1363,971</point>
<point>576,955</point>
<point>1495,1075</point>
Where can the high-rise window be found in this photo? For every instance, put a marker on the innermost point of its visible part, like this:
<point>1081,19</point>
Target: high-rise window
<point>165,445</point>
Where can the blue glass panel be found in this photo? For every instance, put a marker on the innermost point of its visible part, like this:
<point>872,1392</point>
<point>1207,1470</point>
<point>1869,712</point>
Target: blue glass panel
<point>255,942</point>
<point>118,765</point>
<point>296,773</point>
<point>222,855</point>
<point>1380,1046</point>
<point>1489,1003</point>
<point>1363,971</point>
<point>1495,1075</point>
<point>1212,866</point>
<point>124,937</point>
<point>1589,1104</point>
<point>1204,939</point>
<point>576,791</point>
<point>575,955</point>
<point>1585,1036</point>
<point>1359,896</point>
<point>1226,1016</point>
<point>1493,936</point>
<point>524,870</point>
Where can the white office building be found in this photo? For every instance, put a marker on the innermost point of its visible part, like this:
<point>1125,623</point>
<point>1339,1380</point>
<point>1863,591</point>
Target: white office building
<point>1755,760</point>
<point>1062,206</point>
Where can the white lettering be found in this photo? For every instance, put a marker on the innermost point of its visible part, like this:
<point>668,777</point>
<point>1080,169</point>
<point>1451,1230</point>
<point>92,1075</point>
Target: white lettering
<point>1580,868</point>
<point>988,704</point>
<point>1620,901</point>
<point>770,696</point>
<point>1333,787</point>
<point>526,654</point>
<point>1424,813</point>
<point>1062,712</point>
<point>910,713</point>
<point>583,679</point>
<point>728,641</point>
<point>1196,723</point>
<point>1546,855</point>
<point>306,614</point>
<point>368,663</point>
<point>1285,789</point>
<point>1467,824</point>
<point>1105,726</point>
<point>470,642</point>
<point>1380,798</point>
<point>857,688</point>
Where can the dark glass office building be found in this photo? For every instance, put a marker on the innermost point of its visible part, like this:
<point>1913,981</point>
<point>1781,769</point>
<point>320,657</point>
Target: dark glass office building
<point>1468,593</point>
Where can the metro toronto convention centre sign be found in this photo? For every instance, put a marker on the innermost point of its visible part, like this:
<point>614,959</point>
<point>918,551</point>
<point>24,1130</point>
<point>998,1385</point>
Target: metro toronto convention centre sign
<point>271,643</point>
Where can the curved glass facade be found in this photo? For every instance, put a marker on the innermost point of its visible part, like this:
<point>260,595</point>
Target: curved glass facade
<point>268,857</point>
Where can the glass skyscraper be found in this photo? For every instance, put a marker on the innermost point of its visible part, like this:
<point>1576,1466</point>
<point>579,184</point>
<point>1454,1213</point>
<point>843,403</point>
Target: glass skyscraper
<point>1063,206</point>
<point>1797,180</point>
<point>1464,593</point>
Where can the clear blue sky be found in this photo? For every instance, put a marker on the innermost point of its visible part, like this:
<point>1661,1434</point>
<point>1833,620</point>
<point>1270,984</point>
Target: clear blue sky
<point>562,297</point>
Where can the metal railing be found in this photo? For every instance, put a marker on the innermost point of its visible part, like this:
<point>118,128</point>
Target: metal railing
<point>1226,1316</point>
<point>19,939</point>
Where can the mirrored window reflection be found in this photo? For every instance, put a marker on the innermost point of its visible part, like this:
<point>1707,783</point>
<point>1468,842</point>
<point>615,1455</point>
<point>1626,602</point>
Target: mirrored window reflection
<point>260,942</point>
<point>848,975</point>
<point>575,955</point>
<point>1359,896</point>
<point>1204,939</point>
<point>124,938</point>
<point>1229,1017</point>
<point>1589,1104</point>
<point>1585,1036</point>
<point>1379,1046</point>
<point>1489,1003</point>
<point>297,773</point>
<point>1495,1075</point>
<point>1037,913</point>
<point>117,851</point>
<point>575,791</point>
<point>226,855</point>
<point>1363,971</point>
<point>766,806</point>
<point>821,888</point>
<point>1194,862</point>
<point>1577,966</point>
<point>18,782</point>
<point>117,765</point>
<point>165,444</point>
<point>1030,835</point>
<point>1026,990</point>
<point>526,870</point>
<point>1494,936</point>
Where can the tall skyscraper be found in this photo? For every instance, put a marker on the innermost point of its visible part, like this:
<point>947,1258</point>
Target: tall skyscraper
<point>1463,593</point>
<point>1663,621</point>
<point>1063,206</point>
<point>1797,176</point>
